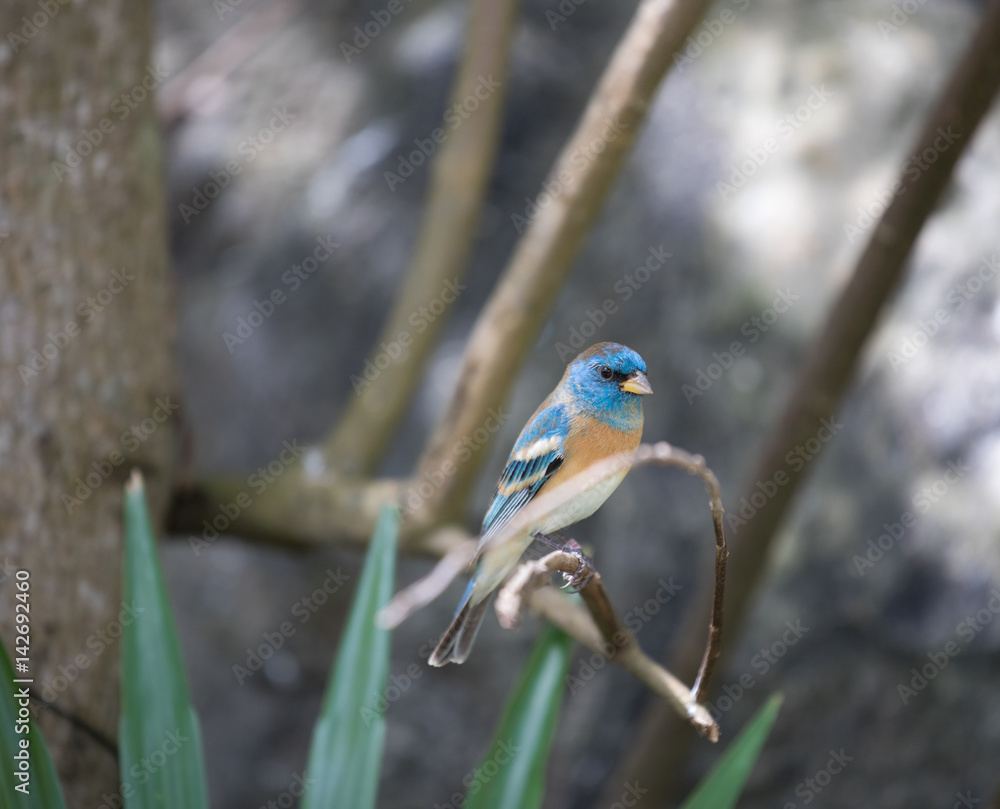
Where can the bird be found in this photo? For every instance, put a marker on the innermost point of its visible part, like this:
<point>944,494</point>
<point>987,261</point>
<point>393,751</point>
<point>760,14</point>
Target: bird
<point>595,412</point>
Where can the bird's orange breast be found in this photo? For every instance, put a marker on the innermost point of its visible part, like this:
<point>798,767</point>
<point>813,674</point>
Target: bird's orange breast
<point>590,441</point>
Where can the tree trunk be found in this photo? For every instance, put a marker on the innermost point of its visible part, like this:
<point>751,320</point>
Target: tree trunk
<point>85,351</point>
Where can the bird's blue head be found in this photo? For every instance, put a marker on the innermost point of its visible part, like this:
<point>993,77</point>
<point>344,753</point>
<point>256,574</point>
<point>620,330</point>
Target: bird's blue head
<point>609,379</point>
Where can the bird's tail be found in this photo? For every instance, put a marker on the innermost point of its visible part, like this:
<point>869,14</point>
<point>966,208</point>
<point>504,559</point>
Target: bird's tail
<point>457,640</point>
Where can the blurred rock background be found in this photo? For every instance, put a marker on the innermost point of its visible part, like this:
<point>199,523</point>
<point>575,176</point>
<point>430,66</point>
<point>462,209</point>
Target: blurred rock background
<point>264,100</point>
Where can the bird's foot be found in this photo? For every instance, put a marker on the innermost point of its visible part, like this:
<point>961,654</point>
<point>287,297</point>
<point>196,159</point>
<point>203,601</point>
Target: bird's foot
<point>584,573</point>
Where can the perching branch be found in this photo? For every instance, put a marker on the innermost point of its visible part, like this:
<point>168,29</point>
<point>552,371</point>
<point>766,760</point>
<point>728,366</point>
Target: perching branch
<point>458,184</point>
<point>605,631</point>
<point>830,367</point>
<point>516,311</point>
<point>602,626</point>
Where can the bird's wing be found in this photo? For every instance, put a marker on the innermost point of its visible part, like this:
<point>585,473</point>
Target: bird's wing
<point>538,453</point>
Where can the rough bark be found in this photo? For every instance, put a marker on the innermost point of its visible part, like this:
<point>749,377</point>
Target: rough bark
<point>83,282</point>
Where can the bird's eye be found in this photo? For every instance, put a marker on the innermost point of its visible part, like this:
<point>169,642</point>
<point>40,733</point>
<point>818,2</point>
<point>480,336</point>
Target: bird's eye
<point>606,372</point>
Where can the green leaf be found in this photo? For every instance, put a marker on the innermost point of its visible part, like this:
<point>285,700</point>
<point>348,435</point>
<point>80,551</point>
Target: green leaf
<point>347,742</point>
<point>721,788</point>
<point>512,774</point>
<point>160,743</point>
<point>42,784</point>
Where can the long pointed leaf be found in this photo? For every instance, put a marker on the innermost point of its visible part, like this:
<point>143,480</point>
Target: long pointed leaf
<point>512,774</point>
<point>721,788</point>
<point>160,743</point>
<point>41,788</point>
<point>346,751</point>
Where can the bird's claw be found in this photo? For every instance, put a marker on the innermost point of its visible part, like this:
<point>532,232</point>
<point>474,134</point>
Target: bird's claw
<point>584,572</point>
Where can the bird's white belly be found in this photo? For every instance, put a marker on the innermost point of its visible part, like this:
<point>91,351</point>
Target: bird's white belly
<point>498,561</point>
<point>580,507</point>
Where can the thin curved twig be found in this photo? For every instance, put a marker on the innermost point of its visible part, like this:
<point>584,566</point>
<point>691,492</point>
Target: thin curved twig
<point>605,631</point>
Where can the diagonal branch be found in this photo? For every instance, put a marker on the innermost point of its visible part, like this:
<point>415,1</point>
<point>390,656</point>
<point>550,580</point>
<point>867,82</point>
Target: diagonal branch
<point>458,185</point>
<point>580,181</point>
<point>830,366</point>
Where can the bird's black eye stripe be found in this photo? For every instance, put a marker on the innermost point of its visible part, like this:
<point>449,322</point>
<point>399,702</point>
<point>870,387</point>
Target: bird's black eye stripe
<point>608,373</point>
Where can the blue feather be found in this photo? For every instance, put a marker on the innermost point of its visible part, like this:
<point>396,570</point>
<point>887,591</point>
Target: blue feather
<point>593,387</point>
<point>521,479</point>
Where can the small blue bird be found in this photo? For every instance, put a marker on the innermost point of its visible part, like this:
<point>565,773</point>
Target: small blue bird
<point>594,413</point>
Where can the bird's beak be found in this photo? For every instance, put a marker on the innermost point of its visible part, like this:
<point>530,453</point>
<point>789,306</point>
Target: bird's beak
<point>637,383</point>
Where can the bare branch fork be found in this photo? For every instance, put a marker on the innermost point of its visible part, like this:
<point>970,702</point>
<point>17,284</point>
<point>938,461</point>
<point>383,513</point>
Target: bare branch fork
<point>601,629</point>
